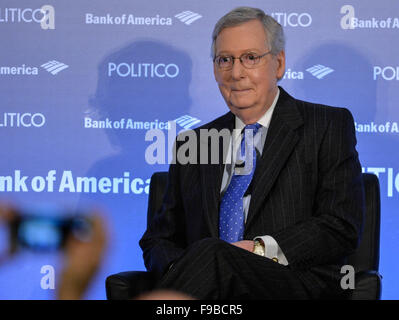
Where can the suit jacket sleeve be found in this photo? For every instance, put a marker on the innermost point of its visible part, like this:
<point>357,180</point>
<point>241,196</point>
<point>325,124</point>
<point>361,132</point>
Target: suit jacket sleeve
<point>163,241</point>
<point>334,229</point>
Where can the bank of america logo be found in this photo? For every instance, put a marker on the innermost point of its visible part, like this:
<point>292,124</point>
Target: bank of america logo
<point>187,121</point>
<point>188,17</point>
<point>319,71</point>
<point>54,66</point>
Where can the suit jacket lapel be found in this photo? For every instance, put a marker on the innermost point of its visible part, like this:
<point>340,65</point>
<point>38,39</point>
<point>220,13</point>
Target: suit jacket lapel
<point>280,142</point>
<point>212,174</point>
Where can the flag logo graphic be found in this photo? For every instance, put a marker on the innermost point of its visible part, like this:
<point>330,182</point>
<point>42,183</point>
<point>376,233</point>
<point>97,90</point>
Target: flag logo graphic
<point>319,71</point>
<point>188,17</point>
<point>54,66</point>
<point>187,121</point>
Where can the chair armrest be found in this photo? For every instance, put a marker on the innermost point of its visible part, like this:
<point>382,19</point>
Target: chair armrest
<point>367,286</point>
<point>127,285</point>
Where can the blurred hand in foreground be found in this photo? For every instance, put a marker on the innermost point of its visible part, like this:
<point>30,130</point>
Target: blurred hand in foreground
<point>82,260</point>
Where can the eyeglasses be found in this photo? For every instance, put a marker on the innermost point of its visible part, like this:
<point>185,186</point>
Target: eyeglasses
<point>248,60</point>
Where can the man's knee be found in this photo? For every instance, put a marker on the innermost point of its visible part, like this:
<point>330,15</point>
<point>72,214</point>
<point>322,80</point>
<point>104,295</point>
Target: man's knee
<point>209,245</point>
<point>205,248</point>
<point>207,251</point>
<point>199,254</point>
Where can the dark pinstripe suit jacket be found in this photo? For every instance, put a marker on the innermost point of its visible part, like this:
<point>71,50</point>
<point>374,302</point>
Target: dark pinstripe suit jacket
<point>307,193</point>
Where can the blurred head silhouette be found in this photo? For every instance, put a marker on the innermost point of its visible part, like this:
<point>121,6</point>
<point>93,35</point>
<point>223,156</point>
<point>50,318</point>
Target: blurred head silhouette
<point>144,81</point>
<point>350,83</point>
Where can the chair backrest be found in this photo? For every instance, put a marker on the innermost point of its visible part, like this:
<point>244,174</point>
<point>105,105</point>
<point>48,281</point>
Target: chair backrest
<point>366,256</point>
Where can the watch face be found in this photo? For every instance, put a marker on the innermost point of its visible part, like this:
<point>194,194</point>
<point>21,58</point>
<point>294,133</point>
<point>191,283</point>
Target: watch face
<point>258,248</point>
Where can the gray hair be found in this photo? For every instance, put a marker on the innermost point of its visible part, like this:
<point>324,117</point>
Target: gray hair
<point>274,31</point>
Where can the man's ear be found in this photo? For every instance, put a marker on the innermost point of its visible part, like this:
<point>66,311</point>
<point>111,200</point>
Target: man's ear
<point>280,57</point>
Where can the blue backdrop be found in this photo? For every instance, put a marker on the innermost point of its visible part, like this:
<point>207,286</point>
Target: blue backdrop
<point>82,82</point>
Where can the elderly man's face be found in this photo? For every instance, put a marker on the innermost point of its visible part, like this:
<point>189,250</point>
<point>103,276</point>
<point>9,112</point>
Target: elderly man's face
<point>248,92</point>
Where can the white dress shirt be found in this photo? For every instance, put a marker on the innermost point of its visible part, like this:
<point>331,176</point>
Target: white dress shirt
<point>272,249</point>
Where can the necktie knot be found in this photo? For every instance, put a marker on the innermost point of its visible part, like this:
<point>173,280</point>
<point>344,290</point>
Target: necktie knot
<point>249,141</point>
<point>255,127</point>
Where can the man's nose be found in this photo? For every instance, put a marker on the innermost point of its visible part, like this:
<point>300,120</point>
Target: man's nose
<point>238,71</point>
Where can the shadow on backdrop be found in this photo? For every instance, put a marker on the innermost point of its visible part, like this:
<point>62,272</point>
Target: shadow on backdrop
<point>152,85</point>
<point>351,85</point>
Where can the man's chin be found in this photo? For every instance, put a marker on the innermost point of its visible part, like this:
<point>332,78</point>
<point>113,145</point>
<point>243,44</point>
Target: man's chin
<point>247,112</point>
<point>240,107</point>
<point>241,111</point>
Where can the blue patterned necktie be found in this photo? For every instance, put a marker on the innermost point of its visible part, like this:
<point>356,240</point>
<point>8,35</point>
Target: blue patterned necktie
<point>231,214</point>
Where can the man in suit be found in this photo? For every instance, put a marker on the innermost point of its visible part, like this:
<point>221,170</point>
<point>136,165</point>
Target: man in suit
<point>283,229</point>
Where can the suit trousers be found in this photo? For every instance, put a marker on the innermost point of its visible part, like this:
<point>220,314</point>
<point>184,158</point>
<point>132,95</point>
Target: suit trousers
<point>214,269</point>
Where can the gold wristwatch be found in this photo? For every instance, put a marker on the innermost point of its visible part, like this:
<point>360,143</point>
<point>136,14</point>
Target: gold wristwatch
<point>259,247</point>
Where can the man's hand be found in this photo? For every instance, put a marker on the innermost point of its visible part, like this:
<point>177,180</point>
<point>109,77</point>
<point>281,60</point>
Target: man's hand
<point>245,244</point>
<point>8,215</point>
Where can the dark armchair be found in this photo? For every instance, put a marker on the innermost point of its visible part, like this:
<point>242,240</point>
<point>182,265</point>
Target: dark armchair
<point>126,285</point>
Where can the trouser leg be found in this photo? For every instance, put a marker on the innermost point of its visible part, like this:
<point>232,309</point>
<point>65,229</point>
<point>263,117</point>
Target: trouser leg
<point>214,269</point>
